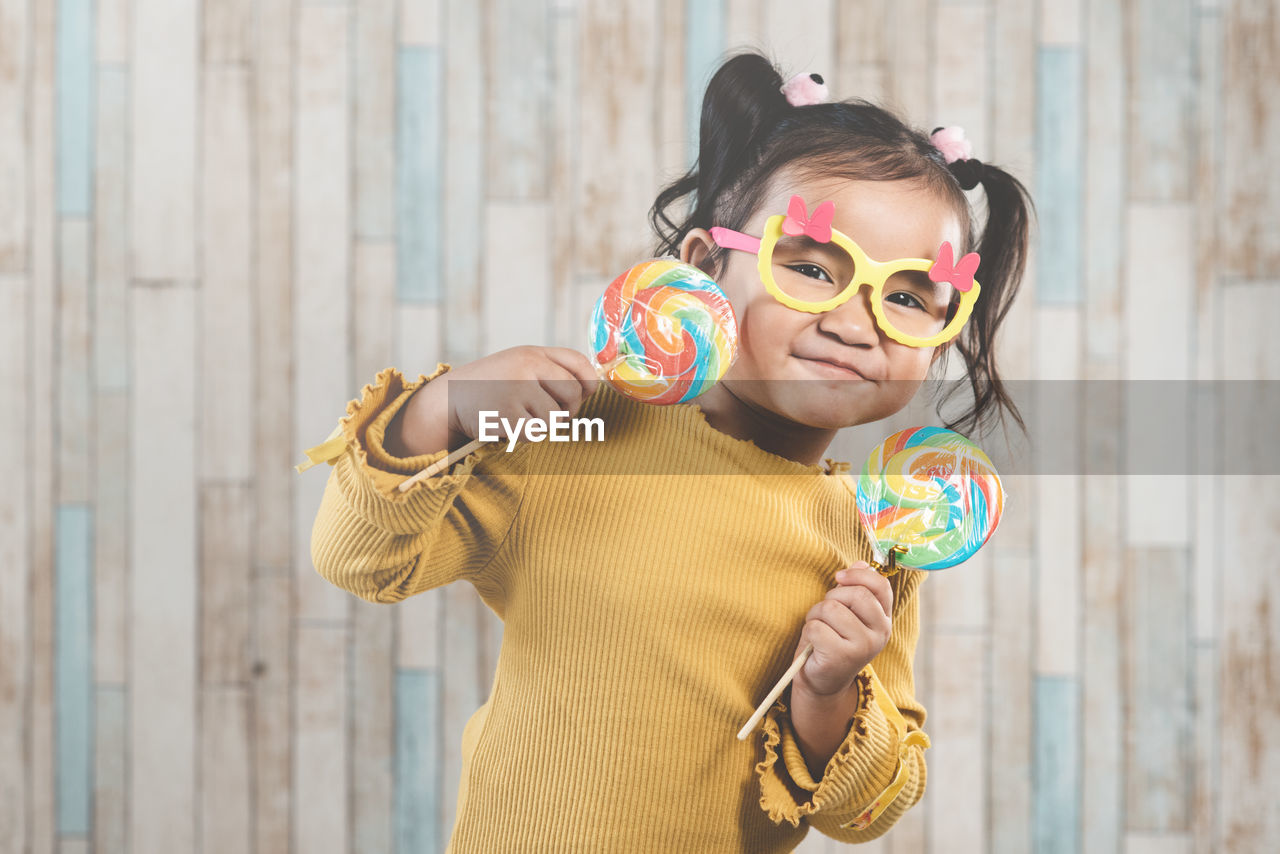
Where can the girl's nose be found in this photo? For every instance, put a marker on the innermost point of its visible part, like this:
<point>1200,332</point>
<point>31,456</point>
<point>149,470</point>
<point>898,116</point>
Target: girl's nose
<point>853,322</point>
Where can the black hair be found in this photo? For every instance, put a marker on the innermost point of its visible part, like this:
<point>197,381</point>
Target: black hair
<point>749,133</point>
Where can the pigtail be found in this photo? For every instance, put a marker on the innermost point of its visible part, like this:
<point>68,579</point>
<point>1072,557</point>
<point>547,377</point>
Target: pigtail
<point>743,102</point>
<point>1003,248</point>
<point>749,132</point>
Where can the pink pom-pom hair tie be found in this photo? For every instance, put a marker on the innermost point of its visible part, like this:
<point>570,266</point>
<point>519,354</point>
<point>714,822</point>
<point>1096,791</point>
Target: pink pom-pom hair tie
<point>952,143</point>
<point>958,154</point>
<point>804,90</point>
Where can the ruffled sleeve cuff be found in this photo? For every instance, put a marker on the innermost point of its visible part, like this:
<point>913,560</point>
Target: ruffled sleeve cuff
<point>363,429</point>
<point>370,477</point>
<point>862,778</point>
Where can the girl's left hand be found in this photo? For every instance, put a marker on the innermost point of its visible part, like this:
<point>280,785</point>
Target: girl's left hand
<point>847,628</point>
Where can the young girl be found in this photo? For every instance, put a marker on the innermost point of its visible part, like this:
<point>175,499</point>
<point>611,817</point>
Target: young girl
<point>649,607</point>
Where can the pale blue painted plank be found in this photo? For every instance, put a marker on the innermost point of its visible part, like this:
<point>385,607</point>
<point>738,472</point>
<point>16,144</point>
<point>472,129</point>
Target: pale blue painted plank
<point>74,666</point>
<point>75,106</point>
<point>465,183</point>
<point>1105,191</point>
<point>704,28</point>
<point>1159,762</point>
<point>418,188</point>
<point>1056,773</point>
<point>417,761</point>
<point>519,100</point>
<point>1161,77</point>
<point>1059,175</point>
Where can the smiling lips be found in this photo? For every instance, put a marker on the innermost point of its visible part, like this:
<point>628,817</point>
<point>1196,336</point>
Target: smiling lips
<point>835,364</point>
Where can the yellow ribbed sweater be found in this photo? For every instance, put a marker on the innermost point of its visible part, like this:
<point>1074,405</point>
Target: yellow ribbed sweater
<point>645,615</point>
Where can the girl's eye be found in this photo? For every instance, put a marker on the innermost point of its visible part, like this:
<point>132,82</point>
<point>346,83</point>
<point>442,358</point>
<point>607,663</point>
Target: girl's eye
<point>813,271</point>
<point>904,299</point>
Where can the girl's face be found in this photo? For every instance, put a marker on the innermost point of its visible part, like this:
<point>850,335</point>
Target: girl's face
<point>838,368</point>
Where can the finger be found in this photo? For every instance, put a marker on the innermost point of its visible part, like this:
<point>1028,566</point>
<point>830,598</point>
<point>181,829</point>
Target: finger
<point>864,609</point>
<point>860,574</point>
<point>520,413</point>
<point>541,404</point>
<point>563,387</point>
<point>847,621</point>
<point>825,639</point>
<point>576,364</point>
<point>840,617</point>
<point>869,611</point>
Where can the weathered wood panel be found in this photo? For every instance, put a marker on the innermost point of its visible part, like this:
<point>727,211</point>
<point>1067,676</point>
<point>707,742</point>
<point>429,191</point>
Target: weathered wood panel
<point>15,553</point>
<point>1249,692</point>
<point>421,821</point>
<point>518,59</point>
<point>1058,487</point>
<point>1059,132</point>
<point>1250,187</point>
<point>374,312</point>
<point>321,778</point>
<point>1158,680</point>
<point>1056,777</point>
<point>110,764</point>
<point>16,48</point>
<point>957,727</point>
<point>373,726</point>
<point>517,280</point>
<point>274,451</point>
<point>73,594</point>
<point>420,220</point>
<point>374,105</point>
<point>163,581</point>
<point>75,403</point>
<point>226,583</point>
<point>110,234</point>
<point>41,187</point>
<point>464,184</point>
<point>322,302</point>
<point>163,35</point>
<point>226,275</point>
<point>617,161</point>
<point>226,768</point>
<point>1160,66</point>
<point>274,674</point>
<point>1011,691</point>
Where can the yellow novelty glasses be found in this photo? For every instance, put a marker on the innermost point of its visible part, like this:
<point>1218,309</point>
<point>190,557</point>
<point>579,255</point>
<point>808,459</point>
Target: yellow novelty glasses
<point>807,265</point>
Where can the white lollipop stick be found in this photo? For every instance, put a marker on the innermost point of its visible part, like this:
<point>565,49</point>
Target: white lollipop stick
<point>444,463</point>
<point>885,569</point>
<point>776,692</point>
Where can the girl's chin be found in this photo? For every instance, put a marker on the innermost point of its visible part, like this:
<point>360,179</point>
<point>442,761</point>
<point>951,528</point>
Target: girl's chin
<point>813,403</point>
<point>824,416</point>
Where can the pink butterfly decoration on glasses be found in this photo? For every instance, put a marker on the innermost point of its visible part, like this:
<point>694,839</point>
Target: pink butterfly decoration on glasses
<point>798,221</point>
<point>960,275</point>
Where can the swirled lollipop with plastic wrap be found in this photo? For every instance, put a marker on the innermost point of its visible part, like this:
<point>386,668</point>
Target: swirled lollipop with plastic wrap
<point>928,498</point>
<point>663,332</point>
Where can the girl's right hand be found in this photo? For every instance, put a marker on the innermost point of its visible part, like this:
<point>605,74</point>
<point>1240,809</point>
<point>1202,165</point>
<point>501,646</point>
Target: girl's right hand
<point>520,382</point>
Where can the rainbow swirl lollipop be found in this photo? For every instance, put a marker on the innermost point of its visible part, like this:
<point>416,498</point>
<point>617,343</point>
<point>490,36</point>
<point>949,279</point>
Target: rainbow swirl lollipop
<point>931,491</point>
<point>663,332</point>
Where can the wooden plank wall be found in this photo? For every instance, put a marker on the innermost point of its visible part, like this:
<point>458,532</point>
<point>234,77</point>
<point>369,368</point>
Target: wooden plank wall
<point>219,219</point>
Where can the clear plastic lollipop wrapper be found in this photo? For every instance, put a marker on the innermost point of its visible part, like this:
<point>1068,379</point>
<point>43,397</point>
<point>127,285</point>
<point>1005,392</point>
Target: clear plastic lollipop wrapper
<point>928,498</point>
<point>663,332</point>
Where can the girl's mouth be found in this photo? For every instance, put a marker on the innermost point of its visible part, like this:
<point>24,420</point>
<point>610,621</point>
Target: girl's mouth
<point>832,369</point>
